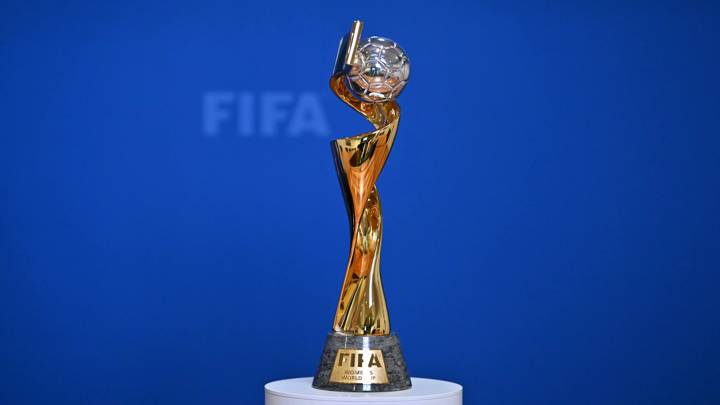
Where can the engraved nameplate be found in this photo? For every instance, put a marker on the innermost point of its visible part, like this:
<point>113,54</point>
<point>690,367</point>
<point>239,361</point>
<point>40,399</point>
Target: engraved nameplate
<point>357,366</point>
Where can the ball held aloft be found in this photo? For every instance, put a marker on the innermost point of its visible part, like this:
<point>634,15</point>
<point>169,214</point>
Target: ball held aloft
<point>379,72</point>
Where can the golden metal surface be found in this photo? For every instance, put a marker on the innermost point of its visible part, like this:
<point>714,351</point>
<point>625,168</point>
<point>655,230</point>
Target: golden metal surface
<point>359,159</point>
<point>353,41</point>
<point>358,366</point>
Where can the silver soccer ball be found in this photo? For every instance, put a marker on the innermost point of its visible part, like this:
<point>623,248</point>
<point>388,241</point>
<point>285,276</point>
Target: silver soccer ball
<point>380,70</point>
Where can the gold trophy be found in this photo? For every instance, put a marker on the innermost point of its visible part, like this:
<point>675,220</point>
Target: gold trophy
<point>360,353</point>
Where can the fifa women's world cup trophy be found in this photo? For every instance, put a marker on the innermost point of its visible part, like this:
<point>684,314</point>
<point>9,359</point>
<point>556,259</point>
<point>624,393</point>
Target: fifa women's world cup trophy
<point>360,353</point>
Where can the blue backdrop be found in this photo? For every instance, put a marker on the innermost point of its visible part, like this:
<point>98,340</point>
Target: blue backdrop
<point>170,236</point>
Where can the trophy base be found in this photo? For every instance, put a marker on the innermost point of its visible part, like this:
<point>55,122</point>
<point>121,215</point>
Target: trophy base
<point>362,364</point>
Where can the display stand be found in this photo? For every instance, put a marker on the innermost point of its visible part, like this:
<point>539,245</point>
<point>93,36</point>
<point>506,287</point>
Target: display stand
<point>299,391</point>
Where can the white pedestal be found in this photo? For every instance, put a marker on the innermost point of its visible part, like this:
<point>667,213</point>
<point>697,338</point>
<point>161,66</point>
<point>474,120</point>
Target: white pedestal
<point>299,391</point>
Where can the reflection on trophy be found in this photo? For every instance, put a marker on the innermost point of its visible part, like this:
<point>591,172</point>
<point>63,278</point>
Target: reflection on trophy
<point>361,354</point>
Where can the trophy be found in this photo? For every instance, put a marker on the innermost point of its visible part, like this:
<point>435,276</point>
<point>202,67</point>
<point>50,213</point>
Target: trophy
<point>361,354</point>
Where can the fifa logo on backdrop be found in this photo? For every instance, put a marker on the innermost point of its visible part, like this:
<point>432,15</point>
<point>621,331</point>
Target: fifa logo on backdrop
<point>263,114</point>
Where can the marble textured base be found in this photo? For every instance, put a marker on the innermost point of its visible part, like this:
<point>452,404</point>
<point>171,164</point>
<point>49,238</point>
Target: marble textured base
<point>394,363</point>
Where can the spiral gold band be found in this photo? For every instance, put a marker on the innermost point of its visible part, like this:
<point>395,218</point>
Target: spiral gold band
<point>359,159</point>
